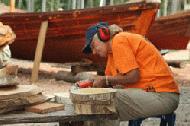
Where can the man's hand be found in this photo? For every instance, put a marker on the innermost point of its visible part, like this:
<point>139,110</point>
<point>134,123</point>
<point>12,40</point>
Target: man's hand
<point>99,82</point>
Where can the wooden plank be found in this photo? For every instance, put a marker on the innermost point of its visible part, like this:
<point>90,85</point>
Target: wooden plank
<point>66,115</point>
<point>20,90</point>
<point>14,98</point>
<point>39,49</point>
<point>20,102</point>
<point>177,56</point>
<point>45,108</point>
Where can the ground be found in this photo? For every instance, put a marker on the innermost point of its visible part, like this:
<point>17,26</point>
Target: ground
<point>50,86</point>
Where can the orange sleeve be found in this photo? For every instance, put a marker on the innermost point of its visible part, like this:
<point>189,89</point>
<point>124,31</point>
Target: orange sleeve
<point>123,56</point>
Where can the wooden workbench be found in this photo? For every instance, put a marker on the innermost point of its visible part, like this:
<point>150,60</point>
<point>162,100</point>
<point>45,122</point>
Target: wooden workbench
<point>63,117</point>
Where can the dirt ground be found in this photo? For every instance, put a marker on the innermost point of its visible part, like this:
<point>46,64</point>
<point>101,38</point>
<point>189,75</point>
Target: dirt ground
<point>51,86</point>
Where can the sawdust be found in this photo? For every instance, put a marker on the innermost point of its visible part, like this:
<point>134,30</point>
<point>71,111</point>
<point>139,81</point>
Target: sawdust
<point>49,86</point>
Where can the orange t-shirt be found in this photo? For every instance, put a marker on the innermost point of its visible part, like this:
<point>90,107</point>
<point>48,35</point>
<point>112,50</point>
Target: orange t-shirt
<point>131,51</point>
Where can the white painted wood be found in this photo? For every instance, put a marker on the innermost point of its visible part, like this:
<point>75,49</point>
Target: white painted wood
<point>69,5</point>
<point>91,3</point>
<point>43,5</point>
<point>153,1</point>
<point>111,2</point>
<point>175,6</point>
<point>19,3</point>
<point>186,4</point>
<point>30,5</point>
<point>78,4</point>
<point>52,5</point>
<point>102,3</point>
<point>74,4</point>
<point>177,56</point>
<point>147,1</point>
<point>82,4</point>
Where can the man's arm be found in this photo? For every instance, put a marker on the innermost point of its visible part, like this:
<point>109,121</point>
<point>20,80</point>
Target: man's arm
<point>131,77</point>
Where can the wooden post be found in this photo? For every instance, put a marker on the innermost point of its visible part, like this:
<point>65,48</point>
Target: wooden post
<point>30,6</point>
<point>39,49</point>
<point>91,3</point>
<point>102,3</point>
<point>74,4</point>
<point>82,4</point>
<point>111,2</point>
<point>12,5</point>
<point>175,6</point>
<point>43,5</point>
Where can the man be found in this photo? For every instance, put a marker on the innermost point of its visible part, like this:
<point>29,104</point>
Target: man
<point>134,63</point>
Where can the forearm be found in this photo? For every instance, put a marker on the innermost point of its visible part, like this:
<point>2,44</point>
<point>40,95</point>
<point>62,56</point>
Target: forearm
<point>115,80</point>
<point>129,78</point>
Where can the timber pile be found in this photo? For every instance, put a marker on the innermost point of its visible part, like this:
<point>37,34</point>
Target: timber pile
<point>93,100</point>
<point>17,97</point>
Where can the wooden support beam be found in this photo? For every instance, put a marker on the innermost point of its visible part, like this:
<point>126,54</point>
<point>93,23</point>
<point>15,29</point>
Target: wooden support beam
<point>39,49</point>
<point>12,5</point>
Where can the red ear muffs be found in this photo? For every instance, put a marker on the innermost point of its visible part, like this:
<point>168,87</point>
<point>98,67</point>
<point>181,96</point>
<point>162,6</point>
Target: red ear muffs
<point>103,34</point>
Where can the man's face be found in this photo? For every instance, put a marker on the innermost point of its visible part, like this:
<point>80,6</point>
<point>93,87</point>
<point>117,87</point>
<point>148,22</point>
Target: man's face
<point>99,48</point>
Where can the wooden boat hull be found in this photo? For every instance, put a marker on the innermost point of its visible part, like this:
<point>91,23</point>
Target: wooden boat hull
<point>171,32</point>
<point>66,32</point>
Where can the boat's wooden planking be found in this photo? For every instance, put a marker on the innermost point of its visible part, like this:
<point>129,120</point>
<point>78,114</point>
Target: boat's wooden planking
<point>171,32</point>
<point>66,32</point>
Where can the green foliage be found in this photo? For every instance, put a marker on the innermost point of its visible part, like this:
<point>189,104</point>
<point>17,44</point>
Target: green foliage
<point>6,2</point>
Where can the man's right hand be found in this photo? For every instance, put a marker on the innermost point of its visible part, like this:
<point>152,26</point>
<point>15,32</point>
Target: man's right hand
<point>99,82</point>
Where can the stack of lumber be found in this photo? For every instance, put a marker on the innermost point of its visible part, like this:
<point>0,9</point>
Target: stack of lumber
<point>93,100</point>
<point>18,96</point>
<point>45,107</point>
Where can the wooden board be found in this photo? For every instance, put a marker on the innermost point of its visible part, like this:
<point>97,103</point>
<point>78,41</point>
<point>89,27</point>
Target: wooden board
<point>93,100</point>
<point>14,98</point>
<point>8,81</point>
<point>177,56</point>
<point>20,90</point>
<point>39,50</point>
<point>20,102</point>
<point>45,108</point>
<point>65,115</point>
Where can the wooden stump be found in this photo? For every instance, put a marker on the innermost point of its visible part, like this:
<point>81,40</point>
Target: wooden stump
<point>93,100</point>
